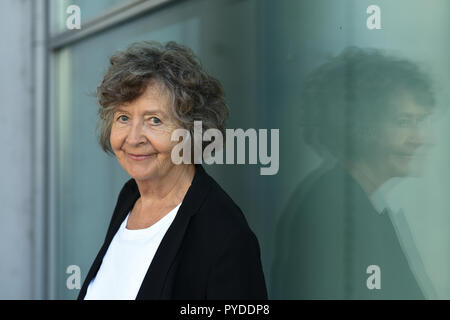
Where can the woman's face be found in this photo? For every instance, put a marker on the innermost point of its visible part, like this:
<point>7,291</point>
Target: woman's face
<point>404,139</point>
<point>141,132</point>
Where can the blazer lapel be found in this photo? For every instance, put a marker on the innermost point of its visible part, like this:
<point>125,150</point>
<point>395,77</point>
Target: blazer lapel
<point>155,280</point>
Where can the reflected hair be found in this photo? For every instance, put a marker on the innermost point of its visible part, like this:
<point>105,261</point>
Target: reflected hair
<point>195,95</point>
<point>345,99</point>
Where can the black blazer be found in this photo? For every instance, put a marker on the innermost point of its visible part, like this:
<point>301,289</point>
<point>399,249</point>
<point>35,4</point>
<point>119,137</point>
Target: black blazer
<point>208,252</point>
<point>328,235</point>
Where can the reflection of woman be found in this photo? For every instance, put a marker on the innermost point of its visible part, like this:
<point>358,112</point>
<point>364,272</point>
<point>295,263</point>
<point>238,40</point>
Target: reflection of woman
<point>362,111</point>
<point>174,234</point>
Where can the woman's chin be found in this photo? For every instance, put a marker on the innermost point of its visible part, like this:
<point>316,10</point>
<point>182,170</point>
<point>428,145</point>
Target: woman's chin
<point>142,176</point>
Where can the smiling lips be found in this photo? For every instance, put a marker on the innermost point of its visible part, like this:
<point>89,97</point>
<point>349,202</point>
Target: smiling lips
<point>139,157</point>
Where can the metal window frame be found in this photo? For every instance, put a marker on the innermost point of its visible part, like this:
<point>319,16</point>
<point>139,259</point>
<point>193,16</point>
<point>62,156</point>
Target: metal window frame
<point>110,18</point>
<point>40,177</point>
<point>45,140</point>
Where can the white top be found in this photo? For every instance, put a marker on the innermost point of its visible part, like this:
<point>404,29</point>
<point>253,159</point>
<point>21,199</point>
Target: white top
<point>380,200</point>
<point>127,260</point>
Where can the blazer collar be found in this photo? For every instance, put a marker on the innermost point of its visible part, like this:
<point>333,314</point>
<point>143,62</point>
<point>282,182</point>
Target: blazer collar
<point>153,284</point>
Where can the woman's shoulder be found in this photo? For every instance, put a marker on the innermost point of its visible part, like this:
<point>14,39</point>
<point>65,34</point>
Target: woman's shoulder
<point>211,208</point>
<point>218,212</point>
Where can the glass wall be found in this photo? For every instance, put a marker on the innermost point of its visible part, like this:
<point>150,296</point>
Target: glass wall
<point>361,186</point>
<point>327,236</point>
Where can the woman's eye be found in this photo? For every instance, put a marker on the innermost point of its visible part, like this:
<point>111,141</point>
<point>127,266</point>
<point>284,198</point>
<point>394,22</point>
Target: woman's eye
<point>155,120</point>
<point>404,122</point>
<point>123,118</point>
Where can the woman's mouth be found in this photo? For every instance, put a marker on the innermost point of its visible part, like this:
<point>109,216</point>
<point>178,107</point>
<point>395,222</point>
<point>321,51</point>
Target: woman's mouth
<point>139,157</point>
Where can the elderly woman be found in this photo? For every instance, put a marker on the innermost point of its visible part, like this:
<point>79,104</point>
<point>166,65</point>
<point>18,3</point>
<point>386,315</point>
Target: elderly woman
<point>174,233</point>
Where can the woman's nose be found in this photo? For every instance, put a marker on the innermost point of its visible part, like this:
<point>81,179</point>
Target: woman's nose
<point>135,135</point>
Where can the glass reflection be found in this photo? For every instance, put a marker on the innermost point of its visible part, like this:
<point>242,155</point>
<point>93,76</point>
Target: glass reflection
<point>367,114</point>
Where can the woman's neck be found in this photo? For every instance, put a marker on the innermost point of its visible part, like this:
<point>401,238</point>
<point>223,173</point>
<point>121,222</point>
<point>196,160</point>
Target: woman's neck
<point>170,189</point>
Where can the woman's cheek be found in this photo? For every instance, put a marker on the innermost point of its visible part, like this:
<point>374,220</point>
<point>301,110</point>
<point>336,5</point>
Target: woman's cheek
<point>117,139</point>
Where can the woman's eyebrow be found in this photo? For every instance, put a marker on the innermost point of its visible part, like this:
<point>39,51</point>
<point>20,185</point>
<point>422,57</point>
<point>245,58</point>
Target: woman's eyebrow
<point>120,110</point>
<point>155,111</point>
<point>146,112</point>
<point>414,114</point>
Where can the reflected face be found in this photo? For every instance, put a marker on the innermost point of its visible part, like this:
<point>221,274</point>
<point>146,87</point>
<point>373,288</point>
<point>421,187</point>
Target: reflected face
<point>406,136</point>
<point>141,132</point>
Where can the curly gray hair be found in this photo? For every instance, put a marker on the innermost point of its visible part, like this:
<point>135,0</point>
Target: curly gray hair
<point>196,96</point>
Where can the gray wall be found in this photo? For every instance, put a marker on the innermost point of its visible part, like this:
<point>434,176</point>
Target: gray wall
<point>16,158</point>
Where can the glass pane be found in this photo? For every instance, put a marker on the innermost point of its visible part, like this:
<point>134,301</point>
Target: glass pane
<point>360,190</point>
<point>364,216</point>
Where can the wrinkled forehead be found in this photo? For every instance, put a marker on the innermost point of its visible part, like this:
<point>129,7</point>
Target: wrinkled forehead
<point>156,98</point>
